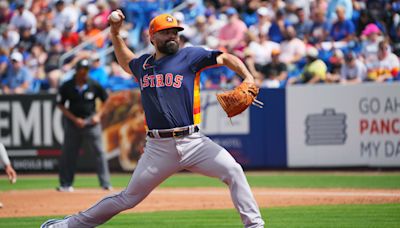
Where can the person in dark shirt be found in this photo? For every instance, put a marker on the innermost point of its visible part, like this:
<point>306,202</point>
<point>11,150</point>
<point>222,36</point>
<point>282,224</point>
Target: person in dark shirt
<point>275,72</point>
<point>81,123</point>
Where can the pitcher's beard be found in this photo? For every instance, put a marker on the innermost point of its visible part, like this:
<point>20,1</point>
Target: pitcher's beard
<point>169,48</point>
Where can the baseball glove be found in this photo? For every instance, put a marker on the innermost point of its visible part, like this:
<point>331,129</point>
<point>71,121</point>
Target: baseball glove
<point>237,100</point>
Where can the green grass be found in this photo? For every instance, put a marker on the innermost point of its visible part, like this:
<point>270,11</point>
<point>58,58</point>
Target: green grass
<point>352,216</point>
<point>259,179</point>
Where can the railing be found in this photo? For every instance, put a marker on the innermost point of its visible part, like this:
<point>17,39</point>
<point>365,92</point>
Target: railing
<point>82,46</point>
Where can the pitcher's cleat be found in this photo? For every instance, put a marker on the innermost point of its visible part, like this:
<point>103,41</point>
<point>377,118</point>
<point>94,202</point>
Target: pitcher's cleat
<point>56,223</point>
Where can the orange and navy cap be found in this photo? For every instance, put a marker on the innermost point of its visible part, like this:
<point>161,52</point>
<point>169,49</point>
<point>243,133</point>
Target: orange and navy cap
<point>163,21</point>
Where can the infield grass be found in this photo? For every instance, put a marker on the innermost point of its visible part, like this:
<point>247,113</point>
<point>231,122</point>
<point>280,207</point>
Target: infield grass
<point>352,216</point>
<point>378,180</point>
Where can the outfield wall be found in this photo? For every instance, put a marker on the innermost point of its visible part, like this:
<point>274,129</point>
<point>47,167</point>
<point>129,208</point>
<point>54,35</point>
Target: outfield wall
<point>300,126</point>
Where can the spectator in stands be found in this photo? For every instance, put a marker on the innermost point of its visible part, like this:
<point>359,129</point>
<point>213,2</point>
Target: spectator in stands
<point>90,31</point>
<point>277,5</point>
<point>5,12</point>
<point>188,31</point>
<point>23,17</point>
<point>362,22</point>
<point>17,78</point>
<point>314,71</point>
<point>64,14</point>
<point>387,66</point>
<point>35,64</point>
<point>264,22</point>
<point>97,71</point>
<point>249,15</point>
<point>27,40</point>
<point>53,56</point>
<point>319,30</point>
<point>199,32</point>
<point>290,12</point>
<point>193,9</point>
<point>213,24</point>
<point>274,73</point>
<point>343,29</point>
<point>69,38</point>
<point>303,25</point>
<point>255,51</point>
<point>318,5</point>
<point>8,37</point>
<point>232,34</point>
<point>335,63</point>
<point>219,78</point>
<point>277,30</point>
<point>119,79</point>
<point>145,47</point>
<point>334,4</point>
<point>396,40</point>
<point>100,20</point>
<point>4,52</point>
<point>47,33</point>
<point>292,49</point>
<point>353,70</point>
<point>369,46</point>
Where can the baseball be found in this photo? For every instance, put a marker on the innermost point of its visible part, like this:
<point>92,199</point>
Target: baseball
<point>13,180</point>
<point>115,17</point>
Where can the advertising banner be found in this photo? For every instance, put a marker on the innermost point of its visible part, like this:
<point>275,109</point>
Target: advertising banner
<point>31,129</point>
<point>339,126</point>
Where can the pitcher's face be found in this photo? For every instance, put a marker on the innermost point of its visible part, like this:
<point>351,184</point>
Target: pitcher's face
<point>166,41</point>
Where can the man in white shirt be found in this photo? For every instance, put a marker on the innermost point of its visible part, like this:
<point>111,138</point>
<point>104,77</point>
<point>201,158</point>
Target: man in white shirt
<point>8,38</point>
<point>353,70</point>
<point>23,18</point>
<point>387,66</point>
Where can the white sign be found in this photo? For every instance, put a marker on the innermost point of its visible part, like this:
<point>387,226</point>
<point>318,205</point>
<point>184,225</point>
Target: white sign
<point>338,125</point>
<point>214,120</point>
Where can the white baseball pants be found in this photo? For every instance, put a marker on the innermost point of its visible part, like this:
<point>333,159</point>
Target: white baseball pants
<point>162,158</point>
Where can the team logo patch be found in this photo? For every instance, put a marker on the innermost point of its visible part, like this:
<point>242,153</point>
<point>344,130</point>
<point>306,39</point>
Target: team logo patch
<point>169,19</point>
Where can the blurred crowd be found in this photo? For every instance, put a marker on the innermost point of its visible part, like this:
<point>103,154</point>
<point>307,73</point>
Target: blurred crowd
<point>281,42</point>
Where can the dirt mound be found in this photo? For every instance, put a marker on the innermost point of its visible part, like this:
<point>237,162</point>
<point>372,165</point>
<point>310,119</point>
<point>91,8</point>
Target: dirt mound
<point>51,202</point>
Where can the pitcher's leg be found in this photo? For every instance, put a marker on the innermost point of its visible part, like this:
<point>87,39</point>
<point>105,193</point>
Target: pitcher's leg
<point>149,173</point>
<point>215,161</point>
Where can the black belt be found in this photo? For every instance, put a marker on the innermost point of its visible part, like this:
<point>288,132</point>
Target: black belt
<point>177,133</point>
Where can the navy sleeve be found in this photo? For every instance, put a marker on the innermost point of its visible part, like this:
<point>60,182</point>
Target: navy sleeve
<point>200,58</point>
<point>136,65</point>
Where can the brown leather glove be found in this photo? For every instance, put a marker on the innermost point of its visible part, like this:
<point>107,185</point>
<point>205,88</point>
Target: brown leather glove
<point>237,100</point>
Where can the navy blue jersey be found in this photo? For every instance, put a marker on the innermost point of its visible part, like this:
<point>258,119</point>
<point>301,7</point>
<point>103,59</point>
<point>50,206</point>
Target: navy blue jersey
<point>170,86</point>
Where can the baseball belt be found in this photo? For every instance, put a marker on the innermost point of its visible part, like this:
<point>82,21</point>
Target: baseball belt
<point>182,132</point>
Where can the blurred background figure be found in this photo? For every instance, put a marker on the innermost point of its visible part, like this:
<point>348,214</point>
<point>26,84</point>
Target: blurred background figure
<point>386,68</point>
<point>314,71</point>
<point>23,18</point>
<point>335,63</point>
<point>353,70</point>
<point>233,33</point>
<point>274,73</point>
<point>17,77</point>
<point>8,37</point>
<point>97,70</point>
<point>371,36</point>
